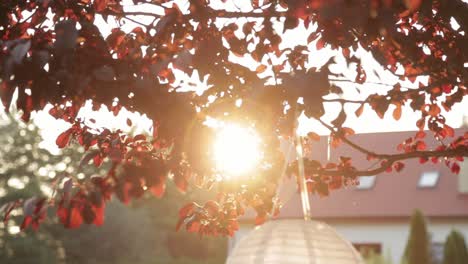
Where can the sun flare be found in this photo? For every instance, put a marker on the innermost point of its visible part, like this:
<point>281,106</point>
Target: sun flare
<point>236,150</point>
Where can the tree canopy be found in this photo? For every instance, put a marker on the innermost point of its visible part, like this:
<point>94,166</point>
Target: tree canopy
<point>181,62</point>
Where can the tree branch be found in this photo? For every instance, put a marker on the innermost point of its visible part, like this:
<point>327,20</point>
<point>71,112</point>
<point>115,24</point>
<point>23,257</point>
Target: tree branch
<point>461,151</point>
<point>388,159</point>
<point>212,14</point>
<point>343,101</point>
<point>349,142</point>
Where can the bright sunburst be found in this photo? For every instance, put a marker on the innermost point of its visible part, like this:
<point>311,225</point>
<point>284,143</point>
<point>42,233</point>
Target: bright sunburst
<point>236,150</point>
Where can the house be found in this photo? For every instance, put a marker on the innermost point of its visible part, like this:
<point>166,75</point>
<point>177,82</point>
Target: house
<point>375,215</point>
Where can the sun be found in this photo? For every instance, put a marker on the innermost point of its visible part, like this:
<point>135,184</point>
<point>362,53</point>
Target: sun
<point>236,150</point>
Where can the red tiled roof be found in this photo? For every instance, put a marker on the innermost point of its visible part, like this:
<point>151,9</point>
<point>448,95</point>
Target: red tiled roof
<point>393,194</point>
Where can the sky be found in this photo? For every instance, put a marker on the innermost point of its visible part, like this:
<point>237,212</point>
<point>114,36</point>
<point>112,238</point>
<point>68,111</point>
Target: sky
<point>367,123</point>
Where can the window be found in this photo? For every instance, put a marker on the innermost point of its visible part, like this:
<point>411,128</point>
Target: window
<point>368,249</point>
<point>366,182</point>
<point>437,252</point>
<point>428,179</point>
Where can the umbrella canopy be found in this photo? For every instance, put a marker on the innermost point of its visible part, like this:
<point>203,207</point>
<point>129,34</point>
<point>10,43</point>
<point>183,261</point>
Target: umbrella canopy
<point>292,241</point>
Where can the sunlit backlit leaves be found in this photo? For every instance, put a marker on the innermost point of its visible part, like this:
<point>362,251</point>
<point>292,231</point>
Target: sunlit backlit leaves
<point>60,55</point>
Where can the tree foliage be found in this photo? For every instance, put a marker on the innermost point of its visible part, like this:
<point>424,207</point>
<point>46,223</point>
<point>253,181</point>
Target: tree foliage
<point>455,250</point>
<point>59,53</point>
<point>26,174</point>
<point>140,234</point>
<point>418,247</point>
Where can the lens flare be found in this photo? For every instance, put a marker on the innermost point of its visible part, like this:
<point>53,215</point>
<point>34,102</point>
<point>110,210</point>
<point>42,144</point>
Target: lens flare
<point>236,150</point>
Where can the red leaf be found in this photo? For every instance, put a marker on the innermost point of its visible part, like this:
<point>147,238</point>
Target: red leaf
<point>361,75</point>
<point>99,214</point>
<point>455,168</point>
<point>336,183</point>
<point>260,219</point>
<point>450,131</point>
<point>346,52</point>
<point>420,135</point>
<point>398,166</point>
<point>64,138</point>
<point>187,210</point>
<point>400,147</point>
<point>233,225</point>
<point>100,5</point>
<point>140,137</point>
<point>397,112</point>
<point>384,164</point>
<point>420,145</point>
<point>421,123</point>
<point>62,213</point>
<point>320,44</point>
<point>348,131</point>
<point>434,110</point>
<point>247,28</point>
<point>75,218</point>
<point>359,110</point>
<point>322,189</point>
<point>340,119</point>
<point>158,189</point>
<point>447,88</point>
<point>26,222</point>
<point>181,178</point>
<point>193,226</point>
<point>261,68</point>
<point>212,208</point>
<point>255,3</point>
<point>314,136</point>
<point>98,160</point>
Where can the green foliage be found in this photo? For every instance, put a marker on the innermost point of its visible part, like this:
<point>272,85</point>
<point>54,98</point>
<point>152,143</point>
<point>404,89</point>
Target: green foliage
<point>182,246</point>
<point>30,248</point>
<point>25,170</point>
<point>455,251</point>
<point>417,248</point>
<point>141,233</point>
<point>137,234</point>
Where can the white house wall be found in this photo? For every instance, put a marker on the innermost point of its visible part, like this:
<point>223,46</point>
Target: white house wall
<point>392,235</point>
